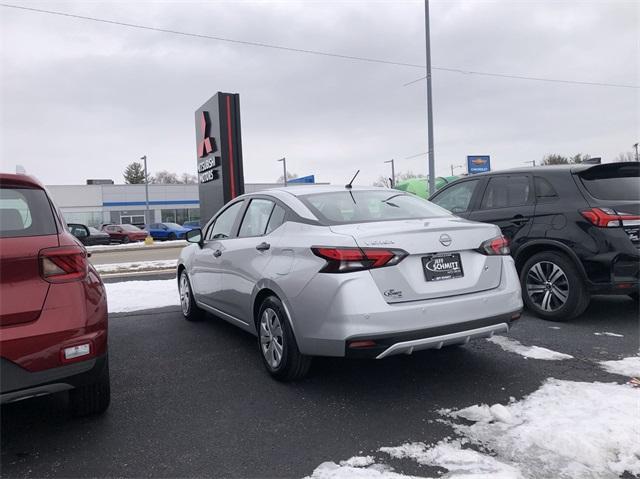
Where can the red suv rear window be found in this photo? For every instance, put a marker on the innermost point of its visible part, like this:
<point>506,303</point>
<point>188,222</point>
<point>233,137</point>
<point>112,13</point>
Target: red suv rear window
<point>25,212</point>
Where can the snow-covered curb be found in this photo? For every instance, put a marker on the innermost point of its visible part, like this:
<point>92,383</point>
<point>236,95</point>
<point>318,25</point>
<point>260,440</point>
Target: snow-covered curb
<point>533,352</point>
<point>136,246</point>
<point>563,430</point>
<point>127,296</point>
<point>112,268</point>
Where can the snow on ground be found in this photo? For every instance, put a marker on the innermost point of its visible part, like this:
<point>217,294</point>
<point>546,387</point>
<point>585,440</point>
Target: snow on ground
<point>136,266</point>
<point>533,352</point>
<point>625,367</point>
<point>137,244</point>
<point>607,333</point>
<point>127,296</point>
<point>563,430</point>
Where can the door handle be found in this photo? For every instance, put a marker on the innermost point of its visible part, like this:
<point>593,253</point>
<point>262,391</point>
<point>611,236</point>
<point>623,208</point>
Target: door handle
<point>217,253</point>
<point>264,246</point>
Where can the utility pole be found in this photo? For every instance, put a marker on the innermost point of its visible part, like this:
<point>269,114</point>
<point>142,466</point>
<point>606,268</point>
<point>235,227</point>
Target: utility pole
<point>393,172</point>
<point>284,167</point>
<point>636,147</point>
<point>454,167</point>
<point>146,191</point>
<point>533,162</point>
<point>432,161</point>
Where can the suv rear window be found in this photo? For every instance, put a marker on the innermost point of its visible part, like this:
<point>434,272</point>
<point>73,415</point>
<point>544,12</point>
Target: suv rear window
<point>25,212</point>
<point>613,182</point>
<point>358,206</point>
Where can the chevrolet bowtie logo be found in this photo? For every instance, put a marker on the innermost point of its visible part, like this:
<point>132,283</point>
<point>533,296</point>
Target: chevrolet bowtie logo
<point>207,145</point>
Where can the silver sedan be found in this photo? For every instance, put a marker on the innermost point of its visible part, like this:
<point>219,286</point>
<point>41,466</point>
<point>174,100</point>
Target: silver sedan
<point>335,271</point>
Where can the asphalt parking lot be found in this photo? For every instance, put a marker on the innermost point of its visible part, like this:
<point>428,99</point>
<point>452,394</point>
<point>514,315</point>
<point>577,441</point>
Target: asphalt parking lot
<point>193,400</point>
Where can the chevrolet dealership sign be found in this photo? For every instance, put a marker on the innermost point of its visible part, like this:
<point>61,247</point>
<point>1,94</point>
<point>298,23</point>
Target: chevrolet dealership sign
<point>478,164</point>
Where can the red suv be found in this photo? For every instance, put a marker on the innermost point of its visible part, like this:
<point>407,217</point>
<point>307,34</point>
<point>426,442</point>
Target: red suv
<point>125,233</point>
<point>53,305</point>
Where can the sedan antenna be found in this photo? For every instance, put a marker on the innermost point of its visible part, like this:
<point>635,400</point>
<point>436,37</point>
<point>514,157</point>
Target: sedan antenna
<point>348,185</point>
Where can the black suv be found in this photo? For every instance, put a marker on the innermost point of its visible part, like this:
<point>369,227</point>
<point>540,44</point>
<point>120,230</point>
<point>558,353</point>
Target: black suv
<point>573,230</point>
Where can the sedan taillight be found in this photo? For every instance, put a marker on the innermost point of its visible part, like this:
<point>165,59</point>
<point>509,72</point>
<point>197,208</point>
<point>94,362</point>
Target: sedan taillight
<point>495,246</point>
<point>348,259</point>
<point>607,217</point>
<point>63,264</point>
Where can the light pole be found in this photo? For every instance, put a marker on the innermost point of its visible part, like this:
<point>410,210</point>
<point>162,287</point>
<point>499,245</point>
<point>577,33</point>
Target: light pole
<point>284,167</point>
<point>432,161</point>
<point>393,172</point>
<point>146,191</point>
<point>636,147</point>
<point>453,167</point>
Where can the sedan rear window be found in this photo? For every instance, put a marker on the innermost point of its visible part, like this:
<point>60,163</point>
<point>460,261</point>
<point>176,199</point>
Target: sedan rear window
<point>25,212</point>
<point>613,182</point>
<point>357,206</point>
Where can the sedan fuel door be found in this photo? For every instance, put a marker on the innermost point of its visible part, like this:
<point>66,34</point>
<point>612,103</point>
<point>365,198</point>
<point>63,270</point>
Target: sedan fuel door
<point>246,256</point>
<point>206,266</point>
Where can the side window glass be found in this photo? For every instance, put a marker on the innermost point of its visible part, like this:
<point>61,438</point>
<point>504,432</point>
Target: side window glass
<point>544,188</point>
<point>506,191</point>
<point>277,218</point>
<point>221,228</point>
<point>457,198</point>
<point>255,219</point>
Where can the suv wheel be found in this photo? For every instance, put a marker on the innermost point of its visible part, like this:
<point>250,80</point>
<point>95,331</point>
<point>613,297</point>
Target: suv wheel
<point>277,343</point>
<point>552,287</point>
<point>126,239</point>
<point>171,237</point>
<point>91,398</point>
<point>190,309</point>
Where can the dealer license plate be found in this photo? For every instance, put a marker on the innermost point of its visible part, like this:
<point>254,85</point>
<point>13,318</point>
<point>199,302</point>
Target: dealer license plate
<point>441,266</point>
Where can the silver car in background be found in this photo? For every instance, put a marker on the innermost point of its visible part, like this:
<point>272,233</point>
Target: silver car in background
<point>335,271</point>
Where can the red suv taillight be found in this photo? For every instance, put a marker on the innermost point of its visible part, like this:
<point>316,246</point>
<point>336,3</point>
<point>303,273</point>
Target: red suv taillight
<point>63,264</point>
<point>495,246</point>
<point>348,259</point>
<point>607,217</point>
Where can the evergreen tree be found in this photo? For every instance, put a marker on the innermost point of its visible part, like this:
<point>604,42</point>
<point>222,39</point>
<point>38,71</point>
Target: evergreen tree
<point>134,173</point>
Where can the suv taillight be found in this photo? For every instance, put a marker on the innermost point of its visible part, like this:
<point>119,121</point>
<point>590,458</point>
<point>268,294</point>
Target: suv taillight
<point>495,246</point>
<point>348,259</point>
<point>63,264</point>
<point>607,217</point>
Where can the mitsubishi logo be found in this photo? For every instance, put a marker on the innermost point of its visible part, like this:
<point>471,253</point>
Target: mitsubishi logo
<point>207,145</point>
<point>445,239</point>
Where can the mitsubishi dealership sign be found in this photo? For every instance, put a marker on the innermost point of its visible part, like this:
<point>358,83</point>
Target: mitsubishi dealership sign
<point>219,151</point>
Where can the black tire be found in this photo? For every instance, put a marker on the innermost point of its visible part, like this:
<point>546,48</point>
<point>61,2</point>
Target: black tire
<point>190,309</point>
<point>293,365</point>
<point>126,239</point>
<point>171,237</point>
<point>92,398</point>
<point>577,297</point>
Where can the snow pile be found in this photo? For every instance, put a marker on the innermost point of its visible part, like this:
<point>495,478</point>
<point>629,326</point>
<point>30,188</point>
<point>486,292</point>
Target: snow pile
<point>129,296</point>
<point>533,352</point>
<point>607,333</point>
<point>136,266</point>
<point>625,367</point>
<point>564,430</point>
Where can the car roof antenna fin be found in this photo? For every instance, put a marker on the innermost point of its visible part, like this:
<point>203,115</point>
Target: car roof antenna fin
<point>348,185</point>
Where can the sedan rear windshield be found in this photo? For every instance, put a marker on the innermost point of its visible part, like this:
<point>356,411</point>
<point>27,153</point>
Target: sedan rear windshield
<point>613,182</point>
<point>131,228</point>
<point>358,206</point>
<point>25,212</point>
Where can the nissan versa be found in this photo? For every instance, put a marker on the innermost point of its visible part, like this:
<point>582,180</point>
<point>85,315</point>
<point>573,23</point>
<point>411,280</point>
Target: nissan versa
<point>53,306</point>
<point>328,271</point>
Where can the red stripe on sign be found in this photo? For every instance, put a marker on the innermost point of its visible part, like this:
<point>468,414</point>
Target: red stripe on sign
<point>231,172</point>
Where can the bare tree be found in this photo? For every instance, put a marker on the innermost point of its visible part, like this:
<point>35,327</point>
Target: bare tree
<point>188,179</point>
<point>626,156</point>
<point>165,178</point>
<point>290,176</point>
<point>554,159</point>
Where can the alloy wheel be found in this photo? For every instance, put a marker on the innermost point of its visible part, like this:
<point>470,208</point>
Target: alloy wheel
<point>271,338</point>
<point>185,294</point>
<point>547,286</point>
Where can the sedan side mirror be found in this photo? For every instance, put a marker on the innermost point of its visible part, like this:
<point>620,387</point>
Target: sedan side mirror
<point>195,236</point>
<point>78,230</point>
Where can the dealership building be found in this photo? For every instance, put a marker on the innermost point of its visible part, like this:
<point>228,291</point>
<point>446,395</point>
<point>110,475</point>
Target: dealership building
<point>95,204</point>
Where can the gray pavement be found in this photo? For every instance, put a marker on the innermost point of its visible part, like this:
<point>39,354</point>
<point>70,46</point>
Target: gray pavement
<point>193,400</point>
<point>135,255</point>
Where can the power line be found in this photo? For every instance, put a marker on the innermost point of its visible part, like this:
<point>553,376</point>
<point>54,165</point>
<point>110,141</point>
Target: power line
<point>308,51</point>
<point>522,77</point>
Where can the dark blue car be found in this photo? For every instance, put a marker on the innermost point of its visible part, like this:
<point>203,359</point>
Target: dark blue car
<point>166,231</point>
<point>191,224</point>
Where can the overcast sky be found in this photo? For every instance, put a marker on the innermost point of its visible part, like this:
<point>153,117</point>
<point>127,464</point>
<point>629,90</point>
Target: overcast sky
<point>81,99</point>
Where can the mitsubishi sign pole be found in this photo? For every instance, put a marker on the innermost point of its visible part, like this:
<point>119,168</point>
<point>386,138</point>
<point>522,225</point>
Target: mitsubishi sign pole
<point>432,161</point>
